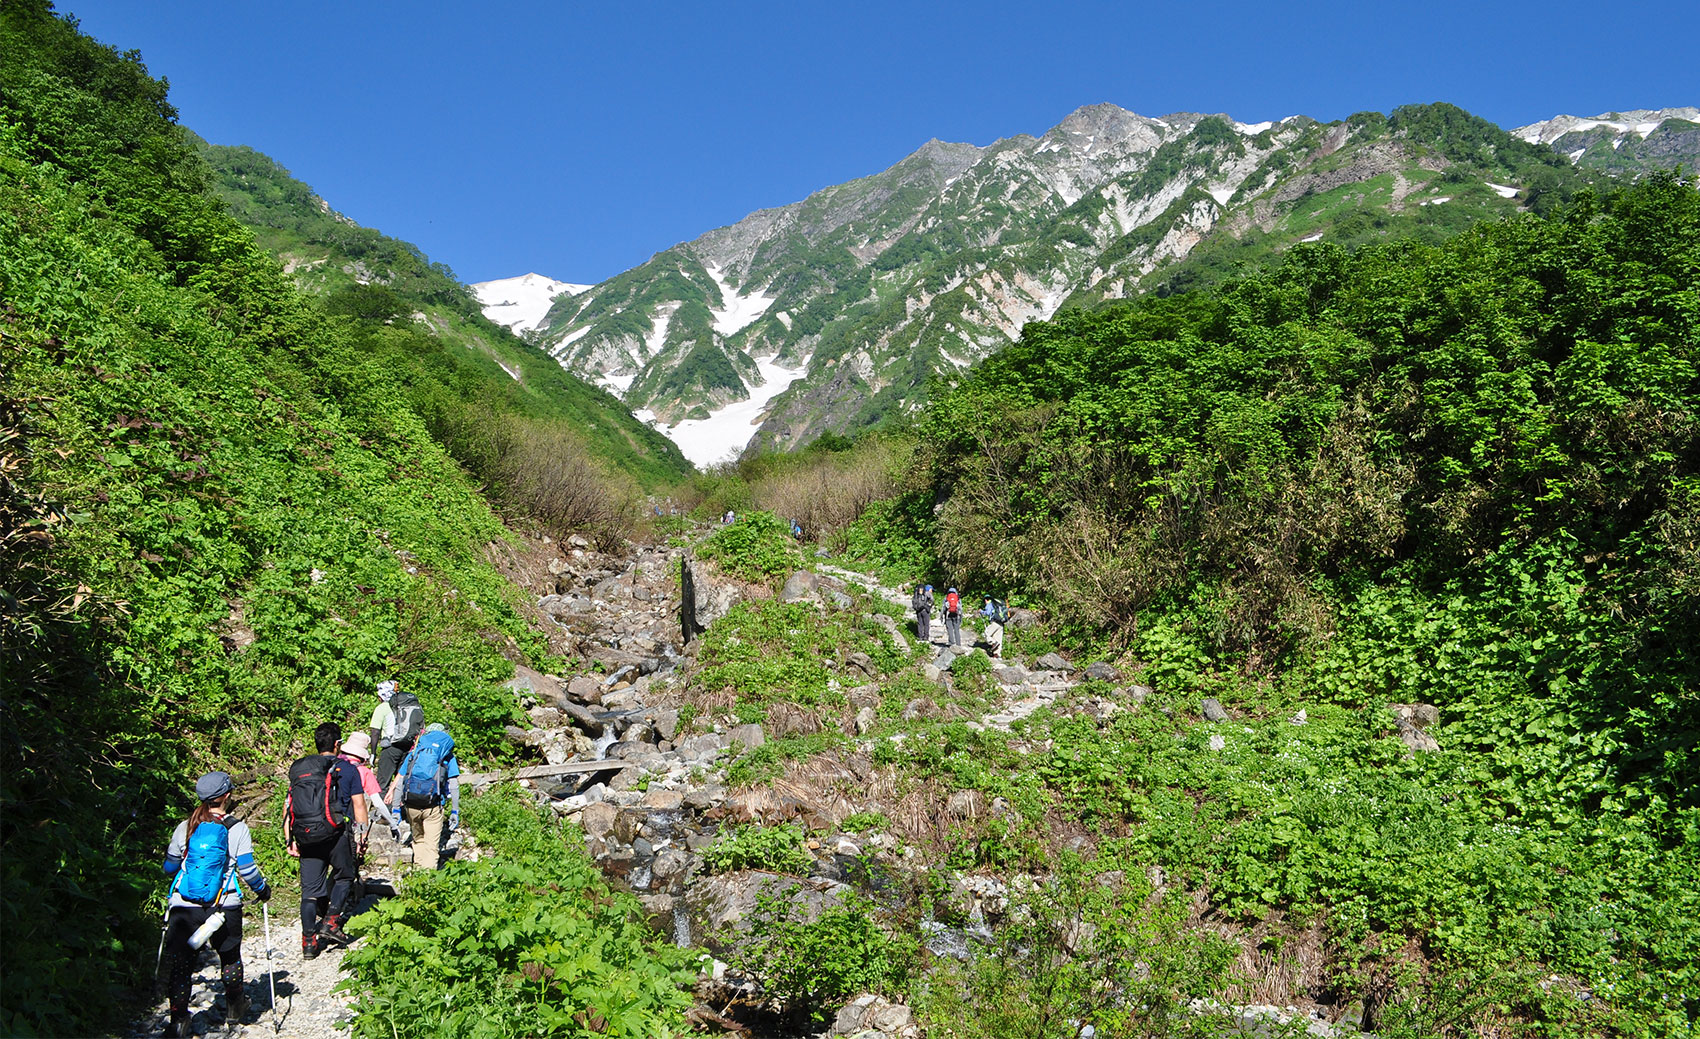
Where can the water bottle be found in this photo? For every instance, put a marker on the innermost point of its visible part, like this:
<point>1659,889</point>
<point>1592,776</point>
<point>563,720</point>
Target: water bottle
<point>208,929</point>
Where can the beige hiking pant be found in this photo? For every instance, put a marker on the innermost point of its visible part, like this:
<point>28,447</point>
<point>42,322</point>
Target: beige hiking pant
<point>427,826</point>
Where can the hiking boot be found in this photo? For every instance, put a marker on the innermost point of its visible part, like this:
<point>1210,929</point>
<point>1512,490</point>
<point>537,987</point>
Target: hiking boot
<point>236,1007</point>
<point>310,946</point>
<point>331,931</point>
<point>178,1026</point>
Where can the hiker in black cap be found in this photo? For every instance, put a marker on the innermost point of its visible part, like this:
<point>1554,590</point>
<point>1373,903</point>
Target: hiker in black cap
<point>326,829</point>
<point>208,851</point>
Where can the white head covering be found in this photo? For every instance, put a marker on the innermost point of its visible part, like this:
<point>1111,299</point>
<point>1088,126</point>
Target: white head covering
<point>386,689</point>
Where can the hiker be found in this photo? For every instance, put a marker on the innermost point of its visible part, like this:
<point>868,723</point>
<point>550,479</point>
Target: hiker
<point>997,615</point>
<point>428,773</point>
<point>357,750</point>
<point>396,723</point>
<point>326,829</point>
<point>208,851</point>
<point>922,604</point>
<point>953,618</point>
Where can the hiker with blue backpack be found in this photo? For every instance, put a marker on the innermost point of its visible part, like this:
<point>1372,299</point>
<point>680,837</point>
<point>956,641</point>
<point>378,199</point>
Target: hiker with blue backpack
<point>208,852</point>
<point>326,828</point>
<point>428,776</point>
<point>996,612</point>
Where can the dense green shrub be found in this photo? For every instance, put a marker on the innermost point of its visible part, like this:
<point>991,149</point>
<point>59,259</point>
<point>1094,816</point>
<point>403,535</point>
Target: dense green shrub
<point>757,547</point>
<point>776,848</point>
<point>529,942</point>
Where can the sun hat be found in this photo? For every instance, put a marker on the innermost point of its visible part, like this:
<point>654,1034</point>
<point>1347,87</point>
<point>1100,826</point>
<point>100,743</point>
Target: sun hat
<point>358,745</point>
<point>212,786</point>
<point>435,727</point>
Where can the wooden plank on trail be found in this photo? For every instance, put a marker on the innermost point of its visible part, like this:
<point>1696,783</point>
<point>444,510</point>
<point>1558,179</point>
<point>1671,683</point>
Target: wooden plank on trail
<point>570,768</point>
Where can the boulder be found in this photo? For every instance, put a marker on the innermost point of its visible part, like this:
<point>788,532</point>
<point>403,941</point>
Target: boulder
<point>1213,710</point>
<point>1416,740</point>
<point>728,899</point>
<point>1052,662</point>
<point>868,1016</point>
<point>863,663</point>
<point>1019,618</point>
<point>1102,672</point>
<point>748,736</point>
<point>1014,674</point>
<point>839,600</point>
<point>665,722</point>
<point>966,805</point>
<point>544,688</point>
<point>865,720</point>
<point>1138,693</point>
<point>586,689</point>
<point>660,799</point>
<point>598,819</point>
<point>898,644</point>
<point>800,586</point>
<point>1424,716</point>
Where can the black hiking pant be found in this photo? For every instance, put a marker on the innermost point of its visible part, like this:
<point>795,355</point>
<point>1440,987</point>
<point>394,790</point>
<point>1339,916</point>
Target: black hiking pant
<point>389,761</point>
<point>924,624</point>
<point>184,921</point>
<point>327,879</point>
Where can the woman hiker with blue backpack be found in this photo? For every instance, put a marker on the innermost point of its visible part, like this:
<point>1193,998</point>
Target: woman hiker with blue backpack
<point>207,853</point>
<point>428,774</point>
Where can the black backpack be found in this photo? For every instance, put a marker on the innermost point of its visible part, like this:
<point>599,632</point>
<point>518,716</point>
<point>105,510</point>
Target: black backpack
<point>317,810</point>
<point>1000,611</point>
<point>409,718</point>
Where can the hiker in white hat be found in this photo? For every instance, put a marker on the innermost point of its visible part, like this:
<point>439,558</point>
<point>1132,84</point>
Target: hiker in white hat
<point>357,750</point>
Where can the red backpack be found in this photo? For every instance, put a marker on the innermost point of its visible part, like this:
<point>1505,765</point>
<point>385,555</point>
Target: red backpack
<point>952,603</point>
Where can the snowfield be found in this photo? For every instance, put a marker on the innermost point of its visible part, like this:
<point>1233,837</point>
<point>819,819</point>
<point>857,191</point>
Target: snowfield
<point>724,433</point>
<point>521,303</point>
<point>739,311</point>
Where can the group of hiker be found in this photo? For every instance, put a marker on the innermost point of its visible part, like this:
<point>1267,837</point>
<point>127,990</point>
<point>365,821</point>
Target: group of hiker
<point>334,796</point>
<point>995,612</point>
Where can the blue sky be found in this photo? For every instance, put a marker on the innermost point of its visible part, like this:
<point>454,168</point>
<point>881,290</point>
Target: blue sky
<point>576,139</point>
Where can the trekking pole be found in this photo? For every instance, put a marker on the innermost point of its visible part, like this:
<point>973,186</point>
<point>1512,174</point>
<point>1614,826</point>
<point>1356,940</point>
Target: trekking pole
<point>271,971</point>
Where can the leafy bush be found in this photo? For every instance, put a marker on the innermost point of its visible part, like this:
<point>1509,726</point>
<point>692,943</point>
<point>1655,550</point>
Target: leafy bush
<point>528,943</point>
<point>777,848</point>
<point>812,967</point>
<point>757,547</point>
<point>768,651</point>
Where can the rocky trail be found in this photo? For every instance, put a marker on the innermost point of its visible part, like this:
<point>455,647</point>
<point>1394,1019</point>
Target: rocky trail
<point>612,751</point>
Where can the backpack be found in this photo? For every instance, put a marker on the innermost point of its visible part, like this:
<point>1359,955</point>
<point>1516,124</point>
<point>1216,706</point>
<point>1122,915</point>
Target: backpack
<point>409,718</point>
<point>317,811</point>
<point>953,603</point>
<point>921,601</point>
<point>206,863</point>
<point>425,770</point>
<point>1000,611</point>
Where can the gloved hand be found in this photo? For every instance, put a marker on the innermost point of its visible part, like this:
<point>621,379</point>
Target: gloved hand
<point>454,820</point>
<point>264,894</point>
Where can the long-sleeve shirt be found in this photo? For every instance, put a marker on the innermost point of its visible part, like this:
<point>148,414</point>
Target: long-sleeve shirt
<point>374,793</point>
<point>240,864</point>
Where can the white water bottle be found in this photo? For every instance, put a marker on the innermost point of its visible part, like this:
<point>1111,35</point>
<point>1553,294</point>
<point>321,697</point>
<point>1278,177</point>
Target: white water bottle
<point>208,929</point>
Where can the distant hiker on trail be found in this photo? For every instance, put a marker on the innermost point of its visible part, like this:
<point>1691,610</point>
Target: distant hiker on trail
<point>396,722</point>
<point>953,618</point>
<point>922,604</point>
<point>324,792</point>
<point>729,517</point>
<point>357,750</point>
<point>428,775</point>
<point>208,851</point>
<point>996,612</point>
<point>796,530</point>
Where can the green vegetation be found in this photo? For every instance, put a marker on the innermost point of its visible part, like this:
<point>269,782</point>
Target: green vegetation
<point>776,848</point>
<point>758,547</point>
<point>769,652</point>
<point>530,942</point>
<point>814,966</point>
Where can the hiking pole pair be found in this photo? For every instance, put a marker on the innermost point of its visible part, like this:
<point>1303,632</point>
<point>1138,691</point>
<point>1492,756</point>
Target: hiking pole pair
<point>271,971</point>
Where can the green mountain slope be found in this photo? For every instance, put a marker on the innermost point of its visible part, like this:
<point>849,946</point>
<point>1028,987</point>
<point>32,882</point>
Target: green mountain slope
<point>461,359</point>
<point>223,516</point>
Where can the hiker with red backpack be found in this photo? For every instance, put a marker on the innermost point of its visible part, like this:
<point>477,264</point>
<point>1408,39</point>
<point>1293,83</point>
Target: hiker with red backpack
<point>326,828</point>
<point>953,618</point>
<point>428,775</point>
<point>207,853</point>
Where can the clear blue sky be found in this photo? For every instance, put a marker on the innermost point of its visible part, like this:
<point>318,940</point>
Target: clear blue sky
<point>578,139</point>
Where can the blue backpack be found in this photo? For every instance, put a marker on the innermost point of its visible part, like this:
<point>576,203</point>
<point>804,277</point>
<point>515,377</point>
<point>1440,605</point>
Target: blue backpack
<point>425,770</point>
<point>206,865</point>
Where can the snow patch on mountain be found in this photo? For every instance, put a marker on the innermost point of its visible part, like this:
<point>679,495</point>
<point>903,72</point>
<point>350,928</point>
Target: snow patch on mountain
<point>1504,190</point>
<point>739,312</point>
<point>521,303</point>
<point>723,435</point>
<point>658,328</point>
<point>1253,129</point>
<point>1640,122</point>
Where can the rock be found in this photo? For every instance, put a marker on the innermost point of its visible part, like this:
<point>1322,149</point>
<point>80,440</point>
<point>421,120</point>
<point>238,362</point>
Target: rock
<point>613,589</point>
<point>1052,662</point>
<point>702,798</point>
<point>546,717</point>
<point>727,899</point>
<point>1138,692</point>
<point>1299,718</point>
<point>1416,740</point>
<point>898,644</point>
<point>748,736</point>
<point>945,659</point>
<point>799,586</point>
<point>1102,672</point>
<point>919,710</point>
<point>932,673</point>
<point>666,723</point>
<point>598,819</point>
<point>525,680</point>
<point>867,1016</point>
<point>1014,674</point>
<point>966,804</point>
<point>839,600</point>
<point>1019,618</point>
<point>1422,715</point>
<point>863,663</point>
<point>639,733</point>
<point>865,721</point>
<point>1218,741</point>
<point>670,863</point>
<point>577,541</point>
<point>1213,710</point>
<point>586,689</point>
<point>660,799</point>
